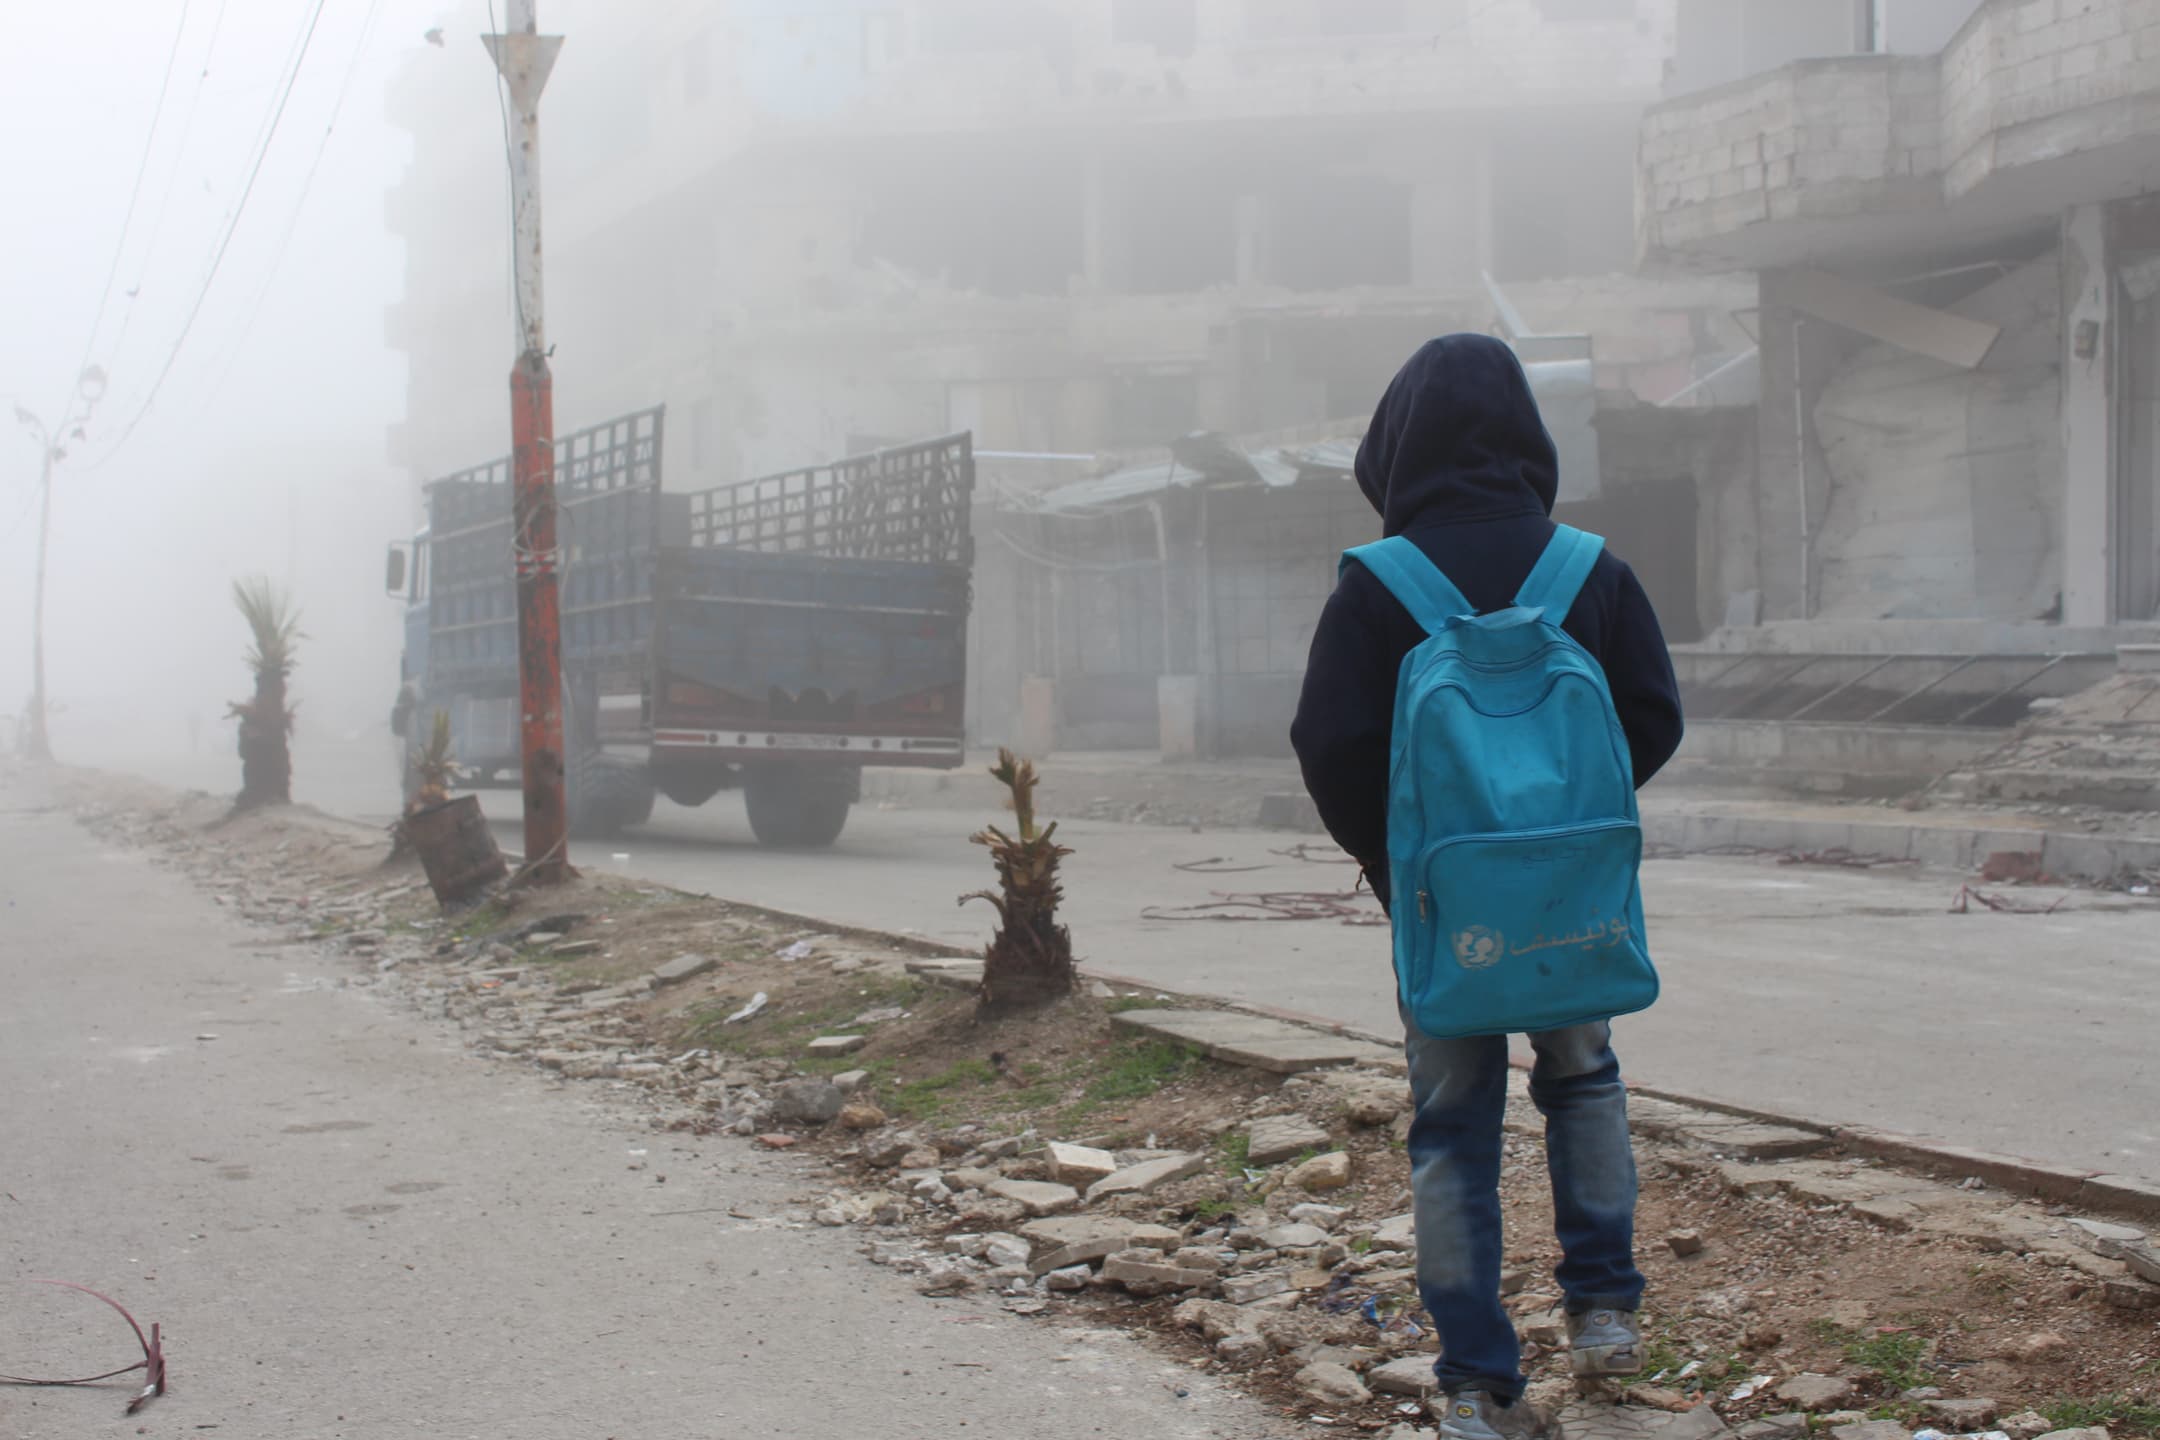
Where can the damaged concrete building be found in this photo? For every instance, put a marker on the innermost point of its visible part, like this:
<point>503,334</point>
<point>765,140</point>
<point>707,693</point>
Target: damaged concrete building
<point>1951,213</point>
<point>1082,229</point>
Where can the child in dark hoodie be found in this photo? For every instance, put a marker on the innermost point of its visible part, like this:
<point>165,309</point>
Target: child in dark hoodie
<point>1458,460</point>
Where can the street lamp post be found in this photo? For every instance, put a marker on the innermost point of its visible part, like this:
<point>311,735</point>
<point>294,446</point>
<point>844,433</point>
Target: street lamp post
<point>89,388</point>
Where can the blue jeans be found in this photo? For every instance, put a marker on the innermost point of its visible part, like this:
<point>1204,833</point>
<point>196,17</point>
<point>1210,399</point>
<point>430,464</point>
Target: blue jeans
<point>1460,1090</point>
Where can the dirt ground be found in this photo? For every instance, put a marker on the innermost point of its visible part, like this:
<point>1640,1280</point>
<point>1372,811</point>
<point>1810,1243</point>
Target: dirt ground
<point>1958,1288</point>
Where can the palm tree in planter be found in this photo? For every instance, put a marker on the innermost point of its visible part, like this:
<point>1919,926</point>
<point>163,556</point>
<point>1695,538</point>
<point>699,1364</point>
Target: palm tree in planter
<point>1029,961</point>
<point>266,719</point>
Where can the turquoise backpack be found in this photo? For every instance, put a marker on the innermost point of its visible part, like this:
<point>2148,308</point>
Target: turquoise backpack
<point>1513,839</point>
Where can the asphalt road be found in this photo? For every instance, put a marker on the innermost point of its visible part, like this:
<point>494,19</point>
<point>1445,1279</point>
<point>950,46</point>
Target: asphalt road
<point>1839,996</point>
<point>350,1228</point>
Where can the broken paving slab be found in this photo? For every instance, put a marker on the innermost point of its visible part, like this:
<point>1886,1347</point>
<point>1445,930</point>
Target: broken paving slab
<point>1275,1138</point>
<point>681,968</point>
<point>1147,1176</point>
<point>1723,1134</point>
<point>1589,1420</point>
<point>954,972</point>
<point>1255,1041</point>
<point>1037,1197</point>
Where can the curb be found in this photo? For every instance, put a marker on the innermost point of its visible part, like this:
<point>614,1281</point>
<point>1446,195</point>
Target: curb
<point>2128,1196</point>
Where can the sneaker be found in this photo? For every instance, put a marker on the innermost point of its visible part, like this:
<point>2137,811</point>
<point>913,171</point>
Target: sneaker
<point>1475,1415</point>
<point>1604,1342</point>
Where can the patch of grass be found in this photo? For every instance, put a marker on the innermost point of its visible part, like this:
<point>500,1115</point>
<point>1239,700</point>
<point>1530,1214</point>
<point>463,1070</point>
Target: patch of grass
<point>1901,1359</point>
<point>1662,1357</point>
<point>2119,1413</point>
<point>1361,1245</point>
<point>928,1095</point>
<point>1214,1209</point>
<point>1134,1072</point>
<point>1236,1147</point>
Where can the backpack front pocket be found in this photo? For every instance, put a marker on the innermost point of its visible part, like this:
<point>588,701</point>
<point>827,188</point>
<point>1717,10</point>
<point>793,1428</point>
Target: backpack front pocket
<point>1525,931</point>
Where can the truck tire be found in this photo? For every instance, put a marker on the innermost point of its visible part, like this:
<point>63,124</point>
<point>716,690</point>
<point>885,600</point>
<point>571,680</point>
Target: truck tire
<point>607,794</point>
<point>797,811</point>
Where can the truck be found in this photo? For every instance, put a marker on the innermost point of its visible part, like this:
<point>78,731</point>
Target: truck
<point>776,635</point>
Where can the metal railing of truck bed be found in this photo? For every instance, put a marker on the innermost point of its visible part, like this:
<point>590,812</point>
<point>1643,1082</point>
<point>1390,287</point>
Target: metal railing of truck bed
<point>908,503</point>
<point>607,480</point>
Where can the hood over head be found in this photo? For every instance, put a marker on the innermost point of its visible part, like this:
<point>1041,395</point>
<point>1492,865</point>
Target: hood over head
<point>1457,437</point>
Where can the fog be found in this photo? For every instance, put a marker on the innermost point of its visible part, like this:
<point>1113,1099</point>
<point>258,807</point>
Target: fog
<point>1072,228</point>
<point>261,452</point>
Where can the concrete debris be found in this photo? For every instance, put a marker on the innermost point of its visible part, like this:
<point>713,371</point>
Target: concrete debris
<point>1685,1243</point>
<point>1810,1391</point>
<point>2103,1238</point>
<point>946,1280</point>
<point>1004,1252</point>
<point>1246,1289</point>
<point>825,1045</point>
<point>2087,1432</point>
<point>1411,1375</point>
<point>681,968</point>
<point>1326,1172</point>
<point>1037,1197</point>
<point>849,1081</point>
<point>808,1102</point>
<point>1149,1273</point>
<point>1398,1232</point>
<point>1069,1279</point>
<point>1294,1237</point>
<point>1079,1165</point>
<point>1243,1350</point>
<point>1327,1217</point>
<point>2131,1295</point>
<point>1276,1138</point>
<point>1871,1430</point>
<point>2027,1425</point>
<point>1961,1416</point>
<point>1147,1176</point>
<point>860,1114</point>
<point>1332,1384</point>
<point>2144,1262</point>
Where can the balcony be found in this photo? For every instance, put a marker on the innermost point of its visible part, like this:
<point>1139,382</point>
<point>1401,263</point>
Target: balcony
<point>2030,109</point>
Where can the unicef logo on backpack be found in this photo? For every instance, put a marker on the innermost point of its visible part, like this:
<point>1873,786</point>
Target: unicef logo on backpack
<point>1478,948</point>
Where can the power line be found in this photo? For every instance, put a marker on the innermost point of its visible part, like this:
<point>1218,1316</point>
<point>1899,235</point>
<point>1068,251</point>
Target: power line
<point>292,222</point>
<point>217,258</point>
<point>172,178</point>
<point>127,221</point>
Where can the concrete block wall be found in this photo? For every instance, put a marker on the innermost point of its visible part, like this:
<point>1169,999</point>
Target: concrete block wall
<point>2024,81</point>
<point>2014,77</point>
<point>1821,139</point>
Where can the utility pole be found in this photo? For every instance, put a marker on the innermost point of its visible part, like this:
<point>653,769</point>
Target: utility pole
<point>37,741</point>
<point>89,388</point>
<point>524,57</point>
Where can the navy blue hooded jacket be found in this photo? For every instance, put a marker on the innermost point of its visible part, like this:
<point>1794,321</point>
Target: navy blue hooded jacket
<point>1458,460</point>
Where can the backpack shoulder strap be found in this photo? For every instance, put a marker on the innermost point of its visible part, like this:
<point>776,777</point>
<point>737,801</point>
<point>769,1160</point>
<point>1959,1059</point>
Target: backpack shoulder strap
<point>1411,577</point>
<point>1558,576</point>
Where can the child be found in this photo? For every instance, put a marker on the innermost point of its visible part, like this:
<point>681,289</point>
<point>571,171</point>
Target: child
<point>1458,461</point>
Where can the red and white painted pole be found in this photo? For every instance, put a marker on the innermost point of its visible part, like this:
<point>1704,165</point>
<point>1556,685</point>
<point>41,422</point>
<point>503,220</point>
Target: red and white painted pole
<point>525,57</point>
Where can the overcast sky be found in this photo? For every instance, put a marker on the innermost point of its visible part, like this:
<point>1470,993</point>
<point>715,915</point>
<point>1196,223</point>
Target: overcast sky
<point>263,450</point>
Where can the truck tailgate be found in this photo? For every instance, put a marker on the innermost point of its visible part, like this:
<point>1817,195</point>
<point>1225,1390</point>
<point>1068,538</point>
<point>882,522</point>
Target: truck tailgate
<point>756,653</point>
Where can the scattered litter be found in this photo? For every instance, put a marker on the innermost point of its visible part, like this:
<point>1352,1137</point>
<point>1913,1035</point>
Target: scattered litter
<point>1350,907</point>
<point>1215,865</point>
<point>800,950</point>
<point>1688,1371</point>
<point>2001,905</point>
<point>757,1003</point>
<point>1755,1385</point>
<point>152,1364</point>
